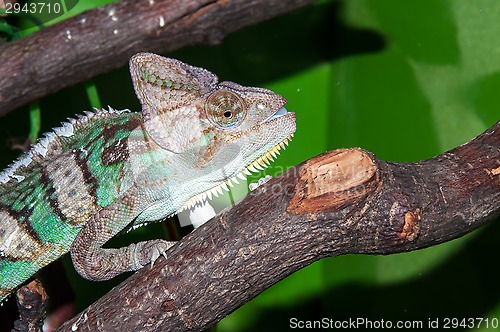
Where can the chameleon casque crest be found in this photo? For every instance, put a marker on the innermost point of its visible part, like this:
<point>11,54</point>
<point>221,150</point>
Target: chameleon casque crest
<point>104,172</point>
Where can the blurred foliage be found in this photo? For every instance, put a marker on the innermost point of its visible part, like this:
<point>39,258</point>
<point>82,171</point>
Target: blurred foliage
<point>404,79</point>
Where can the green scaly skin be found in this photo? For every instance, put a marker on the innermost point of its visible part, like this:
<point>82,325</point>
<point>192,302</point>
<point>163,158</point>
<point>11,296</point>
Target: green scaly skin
<point>33,202</point>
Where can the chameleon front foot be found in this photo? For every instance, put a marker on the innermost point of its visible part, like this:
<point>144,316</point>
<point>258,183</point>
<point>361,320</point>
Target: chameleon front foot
<point>149,251</point>
<point>105,263</point>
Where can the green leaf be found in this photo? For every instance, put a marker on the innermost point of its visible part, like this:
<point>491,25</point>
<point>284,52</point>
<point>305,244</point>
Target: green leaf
<point>93,94</point>
<point>35,121</point>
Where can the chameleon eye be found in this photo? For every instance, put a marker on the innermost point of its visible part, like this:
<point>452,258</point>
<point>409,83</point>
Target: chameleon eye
<point>225,108</point>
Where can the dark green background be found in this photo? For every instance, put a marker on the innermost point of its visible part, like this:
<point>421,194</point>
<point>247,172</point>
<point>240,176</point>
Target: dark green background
<point>404,79</point>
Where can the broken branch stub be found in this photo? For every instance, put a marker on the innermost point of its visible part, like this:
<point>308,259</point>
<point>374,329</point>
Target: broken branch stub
<point>334,180</point>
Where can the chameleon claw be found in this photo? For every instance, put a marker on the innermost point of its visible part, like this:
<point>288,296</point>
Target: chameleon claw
<point>159,248</point>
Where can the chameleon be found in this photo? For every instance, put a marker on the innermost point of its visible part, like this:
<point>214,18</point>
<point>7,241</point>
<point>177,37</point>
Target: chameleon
<point>107,171</point>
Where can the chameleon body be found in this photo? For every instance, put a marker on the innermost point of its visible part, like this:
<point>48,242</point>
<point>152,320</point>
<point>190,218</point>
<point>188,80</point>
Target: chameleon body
<point>104,172</point>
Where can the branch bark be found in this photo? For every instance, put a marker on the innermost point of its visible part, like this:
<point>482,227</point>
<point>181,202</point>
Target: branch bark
<point>31,302</point>
<point>343,201</point>
<point>105,38</point>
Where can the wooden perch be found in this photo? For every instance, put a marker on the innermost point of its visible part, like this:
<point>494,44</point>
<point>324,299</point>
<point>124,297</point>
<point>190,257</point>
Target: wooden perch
<point>105,38</point>
<point>31,302</point>
<point>343,201</point>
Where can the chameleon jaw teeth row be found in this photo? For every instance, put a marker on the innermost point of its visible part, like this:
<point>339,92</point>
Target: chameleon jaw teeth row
<point>256,166</point>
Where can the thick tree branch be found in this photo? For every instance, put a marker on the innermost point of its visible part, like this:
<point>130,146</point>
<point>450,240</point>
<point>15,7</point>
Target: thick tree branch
<point>105,38</point>
<point>343,201</point>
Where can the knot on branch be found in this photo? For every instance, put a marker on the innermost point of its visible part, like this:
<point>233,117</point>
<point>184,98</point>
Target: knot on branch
<point>411,225</point>
<point>402,224</point>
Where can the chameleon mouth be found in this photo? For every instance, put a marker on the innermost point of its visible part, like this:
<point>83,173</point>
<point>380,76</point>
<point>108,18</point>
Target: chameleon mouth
<point>256,166</point>
<point>282,111</point>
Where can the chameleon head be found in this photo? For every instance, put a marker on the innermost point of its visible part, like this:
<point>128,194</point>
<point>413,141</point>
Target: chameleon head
<point>217,130</point>
<point>244,125</point>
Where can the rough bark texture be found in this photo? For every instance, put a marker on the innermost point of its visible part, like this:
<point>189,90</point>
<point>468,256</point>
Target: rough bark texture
<point>105,38</point>
<point>31,302</point>
<point>343,201</point>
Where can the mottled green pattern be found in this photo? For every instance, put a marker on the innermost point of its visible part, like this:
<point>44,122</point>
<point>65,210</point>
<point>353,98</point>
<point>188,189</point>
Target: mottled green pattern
<point>106,176</point>
<point>31,200</point>
<point>165,82</point>
<point>23,270</point>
